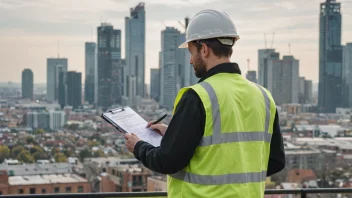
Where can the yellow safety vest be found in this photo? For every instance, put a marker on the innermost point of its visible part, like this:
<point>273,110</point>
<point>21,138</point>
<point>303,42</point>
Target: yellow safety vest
<point>232,157</point>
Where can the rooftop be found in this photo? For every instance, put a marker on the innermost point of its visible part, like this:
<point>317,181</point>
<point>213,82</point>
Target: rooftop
<point>45,179</point>
<point>36,169</point>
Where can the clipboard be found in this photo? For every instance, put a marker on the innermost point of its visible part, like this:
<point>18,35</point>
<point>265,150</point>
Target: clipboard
<point>107,119</point>
<point>126,120</point>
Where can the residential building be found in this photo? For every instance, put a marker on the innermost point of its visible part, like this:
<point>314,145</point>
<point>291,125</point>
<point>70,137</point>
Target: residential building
<point>27,84</point>
<point>156,183</point>
<point>46,120</point>
<point>43,184</point>
<point>38,120</point>
<point>330,57</point>
<point>57,119</point>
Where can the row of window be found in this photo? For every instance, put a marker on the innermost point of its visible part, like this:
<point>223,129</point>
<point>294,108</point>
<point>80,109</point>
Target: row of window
<point>68,189</point>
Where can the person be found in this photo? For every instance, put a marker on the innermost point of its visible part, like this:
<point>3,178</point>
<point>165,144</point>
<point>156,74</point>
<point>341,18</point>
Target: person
<point>224,137</point>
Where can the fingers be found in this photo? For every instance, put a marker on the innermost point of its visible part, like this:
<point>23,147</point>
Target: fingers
<point>127,136</point>
<point>149,124</point>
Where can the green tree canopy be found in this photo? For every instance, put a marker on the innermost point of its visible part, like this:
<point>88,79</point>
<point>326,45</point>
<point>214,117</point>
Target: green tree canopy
<point>25,157</point>
<point>60,157</point>
<point>4,153</point>
<point>17,150</point>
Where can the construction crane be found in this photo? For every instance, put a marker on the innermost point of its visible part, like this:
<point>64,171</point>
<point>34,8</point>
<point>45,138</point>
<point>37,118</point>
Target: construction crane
<point>163,23</point>
<point>272,40</point>
<point>289,48</point>
<point>184,27</point>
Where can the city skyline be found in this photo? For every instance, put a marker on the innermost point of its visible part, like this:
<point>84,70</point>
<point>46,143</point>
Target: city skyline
<point>39,37</point>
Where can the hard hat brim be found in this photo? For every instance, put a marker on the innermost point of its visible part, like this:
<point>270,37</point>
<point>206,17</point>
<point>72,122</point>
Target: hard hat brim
<point>184,45</point>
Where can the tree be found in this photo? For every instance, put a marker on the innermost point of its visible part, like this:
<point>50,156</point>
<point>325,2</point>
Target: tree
<point>25,157</point>
<point>91,143</point>
<point>39,155</point>
<point>39,131</point>
<point>55,150</point>
<point>4,153</point>
<point>68,152</point>
<point>60,157</point>
<point>84,154</point>
<point>73,127</point>
<point>99,153</point>
<point>36,148</point>
<point>30,140</point>
<point>17,150</point>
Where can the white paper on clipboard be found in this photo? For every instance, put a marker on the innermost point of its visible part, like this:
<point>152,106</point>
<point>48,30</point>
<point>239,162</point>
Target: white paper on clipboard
<point>131,122</point>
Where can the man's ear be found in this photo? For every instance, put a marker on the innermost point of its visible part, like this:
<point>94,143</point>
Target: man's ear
<point>205,51</point>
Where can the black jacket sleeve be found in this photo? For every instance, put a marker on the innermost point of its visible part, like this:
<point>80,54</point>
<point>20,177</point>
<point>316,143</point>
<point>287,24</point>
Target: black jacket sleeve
<point>180,140</point>
<point>277,153</point>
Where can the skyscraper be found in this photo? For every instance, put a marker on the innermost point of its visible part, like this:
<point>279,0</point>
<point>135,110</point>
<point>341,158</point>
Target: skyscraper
<point>90,62</point>
<point>308,91</point>
<point>117,76</point>
<point>54,67</point>
<point>109,50</point>
<point>27,84</point>
<point>279,76</point>
<point>155,84</point>
<point>285,80</point>
<point>252,76</point>
<point>347,75</point>
<point>135,54</point>
<point>330,57</point>
<point>265,70</point>
<point>301,94</point>
<point>70,91</point>
<point>172,62</point>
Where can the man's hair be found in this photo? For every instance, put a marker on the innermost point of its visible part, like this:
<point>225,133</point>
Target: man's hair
<point>219,49</point>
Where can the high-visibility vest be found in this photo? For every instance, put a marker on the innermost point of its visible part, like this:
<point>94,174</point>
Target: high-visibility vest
<point>231,159</point>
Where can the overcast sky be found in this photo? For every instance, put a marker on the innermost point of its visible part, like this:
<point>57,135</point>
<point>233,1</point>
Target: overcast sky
<point>30,30</point>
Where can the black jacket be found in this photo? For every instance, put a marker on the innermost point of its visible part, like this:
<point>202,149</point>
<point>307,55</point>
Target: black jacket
<point>186,129</point>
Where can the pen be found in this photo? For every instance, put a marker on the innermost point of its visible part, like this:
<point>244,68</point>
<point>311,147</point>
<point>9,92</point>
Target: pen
<point>160,119</point>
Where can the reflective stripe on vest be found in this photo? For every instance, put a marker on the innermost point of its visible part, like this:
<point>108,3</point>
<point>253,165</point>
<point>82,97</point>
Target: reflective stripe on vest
<point>218,138</point>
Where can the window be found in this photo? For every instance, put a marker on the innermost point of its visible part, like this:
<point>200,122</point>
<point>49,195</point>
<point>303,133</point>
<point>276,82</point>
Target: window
<point>113,171</point>
<point>80,189</point>
<point>68,189</point>
<point>57,189</point>
<point>32,191</point>
<point>43,190</point>
<point>20,191</point>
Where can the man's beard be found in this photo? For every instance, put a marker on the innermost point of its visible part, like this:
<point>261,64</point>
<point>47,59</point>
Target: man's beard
<point>199,67</point>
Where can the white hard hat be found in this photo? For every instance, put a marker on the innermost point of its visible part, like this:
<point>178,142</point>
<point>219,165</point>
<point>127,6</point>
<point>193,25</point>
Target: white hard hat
<point>208,24</point>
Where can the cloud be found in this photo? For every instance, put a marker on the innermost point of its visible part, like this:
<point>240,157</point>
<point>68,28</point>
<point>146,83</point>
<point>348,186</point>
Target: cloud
<point>31,35</point>
<point>286,5</point>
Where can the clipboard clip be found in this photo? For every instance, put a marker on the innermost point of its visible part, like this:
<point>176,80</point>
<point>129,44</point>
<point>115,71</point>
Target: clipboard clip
<point>116,110</point>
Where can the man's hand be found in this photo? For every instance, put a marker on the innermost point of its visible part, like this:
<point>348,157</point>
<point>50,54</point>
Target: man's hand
<point>159,127</point>
<point>131,141</point>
